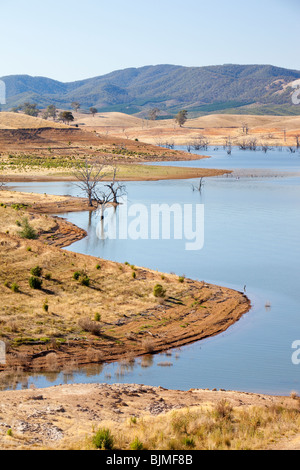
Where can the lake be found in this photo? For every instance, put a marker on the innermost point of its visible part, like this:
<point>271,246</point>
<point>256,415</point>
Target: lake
<point>251,228</point>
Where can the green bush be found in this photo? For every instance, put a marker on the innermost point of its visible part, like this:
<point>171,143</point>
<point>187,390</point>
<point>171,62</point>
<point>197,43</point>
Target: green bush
<point>103,439</point>
<point>76,275</point>
<point>27,231</point>
<point>37,271</point>
<point>97,317</point>
<point>35,282</point>
<point>85,281</point>
<point>159,291</point>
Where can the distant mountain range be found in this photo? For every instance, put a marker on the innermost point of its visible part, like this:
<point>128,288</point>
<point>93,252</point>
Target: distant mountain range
<point>243,89</point>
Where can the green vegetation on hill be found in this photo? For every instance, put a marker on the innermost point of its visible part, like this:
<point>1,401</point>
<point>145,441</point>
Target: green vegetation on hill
<point>200,90</point>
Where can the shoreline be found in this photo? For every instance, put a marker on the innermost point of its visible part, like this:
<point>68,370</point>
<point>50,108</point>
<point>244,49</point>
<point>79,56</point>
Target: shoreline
<point>203,309</point>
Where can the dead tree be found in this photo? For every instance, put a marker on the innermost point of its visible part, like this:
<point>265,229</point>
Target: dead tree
<point>89,177</point>
<point>2,182</point>
<point>116,189</point>
<point>199,187</point>
<point>110,193</point>
<point>245,128</point>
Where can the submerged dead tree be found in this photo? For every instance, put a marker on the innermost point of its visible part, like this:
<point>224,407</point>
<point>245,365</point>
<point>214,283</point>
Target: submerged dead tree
<point>200,185</point>
<point>89,176</point>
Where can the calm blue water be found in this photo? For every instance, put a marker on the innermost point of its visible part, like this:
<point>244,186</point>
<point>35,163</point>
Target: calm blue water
<point>252,228</point>
<point>274,159</point>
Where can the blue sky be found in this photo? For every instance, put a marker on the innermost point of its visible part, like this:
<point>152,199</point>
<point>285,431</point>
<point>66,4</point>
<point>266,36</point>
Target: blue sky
<point>71,40</point>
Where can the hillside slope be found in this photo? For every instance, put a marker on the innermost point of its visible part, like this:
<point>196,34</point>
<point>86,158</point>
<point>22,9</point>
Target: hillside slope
<point>256,89</point>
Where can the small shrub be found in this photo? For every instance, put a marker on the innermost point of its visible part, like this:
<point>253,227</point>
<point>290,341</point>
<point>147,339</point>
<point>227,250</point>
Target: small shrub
<point>28,231</point>
<point>85,281</point>
<point>46,306</point>
<point>15,287</point>
<point>159,291</point>
<point>9,433</point>
<point>76,275</point>
<point>48,276</point>
<point>35,282</point>
<point>98,267</point>
<point>181,279</point>
<point>37,271</point>
<point>97,317</point>
<point>103,439</point>
<point>133,274</point>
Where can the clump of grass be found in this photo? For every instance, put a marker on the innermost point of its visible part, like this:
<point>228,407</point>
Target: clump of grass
<point>189,442</point>
<point>90,326</point>
<point>133,274</point>
<point>27,231</point>
<point>148,345</point>
<point>48,277</point>
<point>136,444</point>
<point>98,267</point>
<point>15,287</point>
<point>223,410</point>
<point>181,279</point>
<point>103,439</point>
<point>46,306</point>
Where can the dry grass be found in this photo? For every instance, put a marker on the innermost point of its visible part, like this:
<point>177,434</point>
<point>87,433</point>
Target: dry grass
<point>211,427</point>
<point>215,127</point>
<point>22,121</point>
<point>64,308</point>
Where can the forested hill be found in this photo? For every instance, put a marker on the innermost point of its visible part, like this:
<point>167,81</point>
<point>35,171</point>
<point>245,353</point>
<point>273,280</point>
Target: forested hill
<point>258,89</point>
